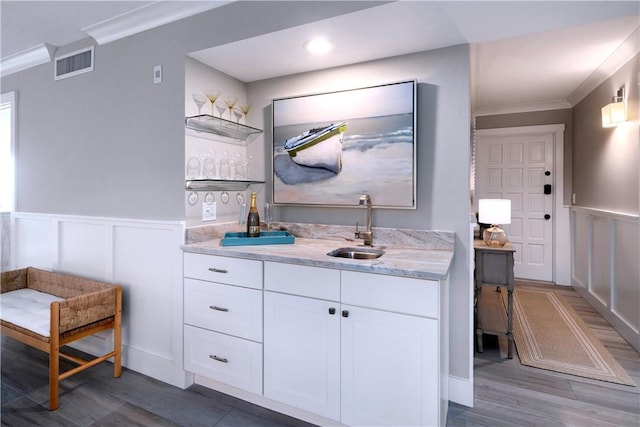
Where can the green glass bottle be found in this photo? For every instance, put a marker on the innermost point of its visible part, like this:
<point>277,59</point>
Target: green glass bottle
<point>253,219</point>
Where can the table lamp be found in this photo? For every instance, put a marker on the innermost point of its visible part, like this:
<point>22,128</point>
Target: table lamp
<point>495,212</point>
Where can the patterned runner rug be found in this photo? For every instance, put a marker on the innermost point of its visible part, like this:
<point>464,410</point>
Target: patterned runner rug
<point>549,334</point>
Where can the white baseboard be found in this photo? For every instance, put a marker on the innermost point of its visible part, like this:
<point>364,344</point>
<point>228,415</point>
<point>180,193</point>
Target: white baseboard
<point>461,391</point>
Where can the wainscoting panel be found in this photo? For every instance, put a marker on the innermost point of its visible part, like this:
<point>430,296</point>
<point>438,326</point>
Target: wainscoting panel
<point>627,273</point>
<point>606,266</point>
<point>83,249</point>
<point>601,247</point>
<point>34,242</point>
<point>580,230</point>
<point>142,256</point>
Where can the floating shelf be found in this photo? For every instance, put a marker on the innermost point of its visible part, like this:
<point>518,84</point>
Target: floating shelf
<point>236,132</point>
<point>218,185</point>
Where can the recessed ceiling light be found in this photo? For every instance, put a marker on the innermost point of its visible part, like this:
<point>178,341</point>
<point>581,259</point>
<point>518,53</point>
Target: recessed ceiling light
<point>318,45</point>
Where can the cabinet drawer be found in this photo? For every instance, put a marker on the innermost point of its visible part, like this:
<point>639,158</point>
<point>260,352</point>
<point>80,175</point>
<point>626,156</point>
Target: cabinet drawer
<point>313,282</point>
<point>228,309</point>
<point>232,271</point>
<point>399,294</point>
<point>230,360</point>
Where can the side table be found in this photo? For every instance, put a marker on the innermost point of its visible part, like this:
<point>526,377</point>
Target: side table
<point>494,266</point>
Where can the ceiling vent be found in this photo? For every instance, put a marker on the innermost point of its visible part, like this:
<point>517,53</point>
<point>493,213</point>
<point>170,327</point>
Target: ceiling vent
<point>74,63</point>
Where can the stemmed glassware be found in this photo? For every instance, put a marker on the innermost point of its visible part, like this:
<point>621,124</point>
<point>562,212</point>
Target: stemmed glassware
<point>221,107</point>
<point>245,108</point>
<point>200,101</point>
<point>238,113</point>
<point>243,216</point>
<point>268,215</point>
<point>230,101</point>
<point>212,94</point>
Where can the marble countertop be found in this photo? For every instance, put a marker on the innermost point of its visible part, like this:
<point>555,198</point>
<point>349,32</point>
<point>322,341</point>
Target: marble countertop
<point>428,261</point>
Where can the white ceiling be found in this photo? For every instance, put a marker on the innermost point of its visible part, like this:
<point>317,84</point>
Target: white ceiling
<point>525,54</point>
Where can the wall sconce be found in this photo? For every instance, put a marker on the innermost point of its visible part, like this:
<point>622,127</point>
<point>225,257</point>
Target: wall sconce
<point>494,212</point>
<point>615,113</point>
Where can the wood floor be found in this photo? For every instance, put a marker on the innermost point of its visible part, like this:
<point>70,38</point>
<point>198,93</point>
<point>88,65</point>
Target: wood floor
<point>510,394</point>
<point>506,393</point>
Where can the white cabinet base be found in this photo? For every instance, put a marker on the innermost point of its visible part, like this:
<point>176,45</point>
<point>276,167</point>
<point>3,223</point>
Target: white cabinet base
<point>271,404</point>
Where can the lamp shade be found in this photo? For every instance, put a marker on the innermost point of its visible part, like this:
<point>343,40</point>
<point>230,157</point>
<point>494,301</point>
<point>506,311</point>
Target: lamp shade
<point>494,211</point>
<point>614,114</point>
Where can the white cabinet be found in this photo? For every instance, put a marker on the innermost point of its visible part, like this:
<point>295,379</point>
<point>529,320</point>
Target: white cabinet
<point>231,271</point>
<point>231,310</point>
<point>302,352</point>
<point>365,353</point>
<point>359,348</point>
<point>228,359</point>
<point>223,320</point>
<point>389,368</point>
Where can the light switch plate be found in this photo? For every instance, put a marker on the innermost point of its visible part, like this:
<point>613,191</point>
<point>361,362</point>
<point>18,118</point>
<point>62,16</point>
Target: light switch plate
<point>157,74</point>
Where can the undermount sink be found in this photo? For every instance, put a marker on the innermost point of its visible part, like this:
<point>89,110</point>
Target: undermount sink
<point>356,253</point>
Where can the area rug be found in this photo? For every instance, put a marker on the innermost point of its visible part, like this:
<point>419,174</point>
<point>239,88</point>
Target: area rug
<point>549,335</point>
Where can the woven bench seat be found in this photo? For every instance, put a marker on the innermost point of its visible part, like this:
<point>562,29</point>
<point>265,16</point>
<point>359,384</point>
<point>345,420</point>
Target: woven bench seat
<point>49,310</point>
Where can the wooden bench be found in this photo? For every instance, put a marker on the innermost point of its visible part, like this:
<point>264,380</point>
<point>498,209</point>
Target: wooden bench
<point>49,310</point>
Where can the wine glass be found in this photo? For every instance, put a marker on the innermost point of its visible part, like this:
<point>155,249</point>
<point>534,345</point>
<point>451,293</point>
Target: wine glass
<point>243,216</point>
<point>200,101</point>
<point>268,215</point>
<point>208,168</point>
<point>230,101</point>
<point>193,168</point>
<point>245,108</point>
<point>246,163</point>
<point>221,109</point>
<point>238,113</point>
<point>212,94</point>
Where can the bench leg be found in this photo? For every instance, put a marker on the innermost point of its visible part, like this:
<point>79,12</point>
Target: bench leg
<point>117,335</point>
<point>54,356</point>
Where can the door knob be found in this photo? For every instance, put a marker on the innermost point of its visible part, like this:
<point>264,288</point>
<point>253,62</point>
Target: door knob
<point>547,216</point>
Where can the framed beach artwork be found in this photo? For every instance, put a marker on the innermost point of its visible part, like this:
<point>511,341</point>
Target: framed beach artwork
<point>329,148</point>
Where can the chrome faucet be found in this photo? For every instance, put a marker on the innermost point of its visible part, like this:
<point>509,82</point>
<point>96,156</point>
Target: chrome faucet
<point>367,236</point>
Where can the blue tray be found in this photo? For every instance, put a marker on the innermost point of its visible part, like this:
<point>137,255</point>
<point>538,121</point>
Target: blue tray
<point>266,238</point>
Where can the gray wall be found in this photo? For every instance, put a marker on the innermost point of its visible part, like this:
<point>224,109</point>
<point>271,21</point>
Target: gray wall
<point>606,161</point>
<point>111,143</point>
<point>535,118</point>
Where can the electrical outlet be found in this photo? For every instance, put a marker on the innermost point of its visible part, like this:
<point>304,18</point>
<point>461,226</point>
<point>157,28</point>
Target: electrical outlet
<point>157,74</point>
<point>209,211</point>
<point>573,198</point>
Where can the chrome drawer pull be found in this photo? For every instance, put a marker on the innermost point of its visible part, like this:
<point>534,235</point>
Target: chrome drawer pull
<point>217,270</point>
<point>219,359</point>
<point>213,307</point>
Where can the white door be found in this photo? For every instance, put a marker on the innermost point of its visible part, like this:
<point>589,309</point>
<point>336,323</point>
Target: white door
<point>388,365</point>
<point>518,167</point>
<point>302,353</point>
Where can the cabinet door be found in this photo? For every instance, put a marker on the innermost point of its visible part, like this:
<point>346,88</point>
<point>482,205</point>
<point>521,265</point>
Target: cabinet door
<point>389,368</point>
<point>302,353</point>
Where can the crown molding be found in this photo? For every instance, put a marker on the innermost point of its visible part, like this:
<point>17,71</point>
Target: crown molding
<point>556,104</point>
<point>627,50</point>
<point>141,19</point>
<point>147,17</point>
<point>28,58</point>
